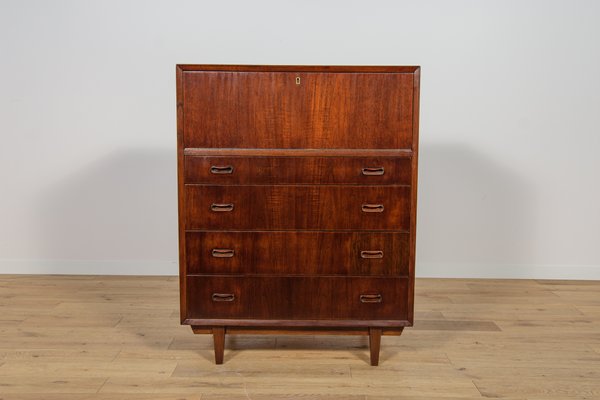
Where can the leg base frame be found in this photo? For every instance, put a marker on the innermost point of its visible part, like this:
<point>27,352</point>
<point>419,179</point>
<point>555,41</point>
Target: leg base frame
<point>219,332</point>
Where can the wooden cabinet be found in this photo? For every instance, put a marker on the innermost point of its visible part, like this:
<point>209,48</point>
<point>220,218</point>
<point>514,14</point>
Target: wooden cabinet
<point>297,199</point>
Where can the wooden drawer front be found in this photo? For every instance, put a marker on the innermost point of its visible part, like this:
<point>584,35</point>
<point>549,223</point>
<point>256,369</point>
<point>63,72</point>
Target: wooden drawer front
<point>270,110</point>
<point>296,297</point>
<point>298,170</point>
<point>297,253</point>
<point>297,207</point>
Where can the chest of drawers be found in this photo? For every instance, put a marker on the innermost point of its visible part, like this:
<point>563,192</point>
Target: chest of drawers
<point>297,199</point>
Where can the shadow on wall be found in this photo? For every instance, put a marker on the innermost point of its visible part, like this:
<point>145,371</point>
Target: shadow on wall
<point>472,211</point>
<point>122,207</point>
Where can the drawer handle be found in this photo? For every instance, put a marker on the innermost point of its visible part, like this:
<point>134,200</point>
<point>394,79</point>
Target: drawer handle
<point>222,253</point>
<point>221,207</point>
<point>373,171</point>
<point>371,254</point>
<point>372,208</point>
<point>223,297</point>
<point>370,298</point>
<point>228,169</point>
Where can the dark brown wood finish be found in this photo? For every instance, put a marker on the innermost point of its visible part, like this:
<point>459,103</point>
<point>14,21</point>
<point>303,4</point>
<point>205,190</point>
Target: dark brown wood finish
<point>297,207</point>
<point>300,298</point>
<point>298,170</point>
<point>207,151</point>
<point>180,197</point>
<point>297,199</point>
<point>298,330</point>
<point>351,324</point>
<point>273,110</point>
<point>219,343</point>
<point>400,69</point>
<point>297,253</point>
<point>413,201</point>
<point>374,344</point>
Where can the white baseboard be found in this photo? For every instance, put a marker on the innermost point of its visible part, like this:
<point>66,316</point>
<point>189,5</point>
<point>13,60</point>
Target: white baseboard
<point>424,270</point>
<point>90,267</point>
<point>508,271</point>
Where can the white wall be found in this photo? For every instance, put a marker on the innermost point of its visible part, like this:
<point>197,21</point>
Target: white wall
<point>510,117</point>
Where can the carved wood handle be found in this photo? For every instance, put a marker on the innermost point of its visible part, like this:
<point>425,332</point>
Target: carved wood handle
<point>216,169</point>
<point>371,254</point>
<point>373,208</point>
<point>373,171</point>
<point>222,253</point>
<point>223,297</point>
<point>370,298</point>
<point>221,207</point>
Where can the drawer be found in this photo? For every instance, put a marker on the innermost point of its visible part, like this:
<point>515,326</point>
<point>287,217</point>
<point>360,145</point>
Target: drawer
<point>216,297</point>
<point>229,109</point>
<point>298,170</point>
<point>297,253</point>
<point>297,207</point>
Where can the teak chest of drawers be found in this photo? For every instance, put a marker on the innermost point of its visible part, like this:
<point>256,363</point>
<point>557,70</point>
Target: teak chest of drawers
<point>297,199</point>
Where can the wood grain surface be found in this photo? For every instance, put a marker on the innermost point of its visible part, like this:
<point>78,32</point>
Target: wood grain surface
<point>297,253</point>
<point>296,298</point>
<point>257,207</point>
<point>297,148</point>
<point>108,338</point>
<point>298,170</point>
<point>246,109</point>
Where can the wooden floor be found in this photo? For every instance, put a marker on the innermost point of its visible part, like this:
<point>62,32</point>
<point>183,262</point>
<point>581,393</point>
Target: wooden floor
<point>73,337</point>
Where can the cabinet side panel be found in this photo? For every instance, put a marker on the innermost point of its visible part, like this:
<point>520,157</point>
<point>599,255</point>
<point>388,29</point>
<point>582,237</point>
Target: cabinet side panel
<point>180,195</point>
<point>413,203</point>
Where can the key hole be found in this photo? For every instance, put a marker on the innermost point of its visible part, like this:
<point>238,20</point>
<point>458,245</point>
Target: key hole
<point>297,80</point>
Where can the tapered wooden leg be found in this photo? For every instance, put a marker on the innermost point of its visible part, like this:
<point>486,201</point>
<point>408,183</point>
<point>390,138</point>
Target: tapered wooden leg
<point>374,344</point>
<point>219,340</point>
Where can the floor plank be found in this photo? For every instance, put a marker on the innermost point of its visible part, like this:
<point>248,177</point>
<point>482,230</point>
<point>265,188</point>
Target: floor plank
<point>112,337</point>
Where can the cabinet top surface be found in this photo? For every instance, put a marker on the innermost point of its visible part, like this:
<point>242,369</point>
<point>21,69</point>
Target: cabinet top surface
<point>300,68</point>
